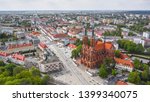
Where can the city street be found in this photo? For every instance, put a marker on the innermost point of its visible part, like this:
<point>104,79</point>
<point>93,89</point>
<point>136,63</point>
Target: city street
<point>72,74</point>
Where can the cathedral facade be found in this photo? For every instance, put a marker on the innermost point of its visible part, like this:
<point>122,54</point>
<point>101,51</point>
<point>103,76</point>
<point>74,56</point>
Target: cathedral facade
<point>92,55</point>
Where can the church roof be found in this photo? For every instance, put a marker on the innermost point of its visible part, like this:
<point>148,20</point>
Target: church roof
<point>100,45</point>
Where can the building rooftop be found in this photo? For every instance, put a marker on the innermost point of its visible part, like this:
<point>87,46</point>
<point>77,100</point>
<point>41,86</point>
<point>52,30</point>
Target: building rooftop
<point>60,35</point>
<point>43,45</point>
<point>119,82</point>
<point>13,46</point>
<point>3,54</point>
<point>128,63</point>
<point>18,57</point>
<point>100,45</point>
<point>72,46</point>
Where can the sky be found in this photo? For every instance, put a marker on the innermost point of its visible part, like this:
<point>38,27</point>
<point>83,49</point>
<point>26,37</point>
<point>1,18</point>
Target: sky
<point>74,5</point>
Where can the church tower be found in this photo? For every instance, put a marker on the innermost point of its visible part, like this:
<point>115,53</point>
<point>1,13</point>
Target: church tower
<point>85,37</point>
<point>92,40</point>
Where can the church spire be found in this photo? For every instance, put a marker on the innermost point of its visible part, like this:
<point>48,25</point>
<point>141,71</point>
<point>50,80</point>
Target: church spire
<point>93,35</point>
<point>85,28</point>
<point>92,38</point>
<point>85,37</point>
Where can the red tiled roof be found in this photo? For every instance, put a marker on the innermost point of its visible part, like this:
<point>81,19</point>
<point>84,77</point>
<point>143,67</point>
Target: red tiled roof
<point>75,31</point>
<point>36,33</point>
<point>72,46</point>
<point>124,56</point>
<point>3,54</point>
<point>124,62</point>
<point>99,33</point>
<point>73,39</point>
<point>60,35</point>
<point>12,46</point>
<point>18,57</point>
<point>119,82</point>
<point>43,45</point>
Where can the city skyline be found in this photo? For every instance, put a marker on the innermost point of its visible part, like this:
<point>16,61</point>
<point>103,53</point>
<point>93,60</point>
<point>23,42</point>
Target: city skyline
<point>74,5</point>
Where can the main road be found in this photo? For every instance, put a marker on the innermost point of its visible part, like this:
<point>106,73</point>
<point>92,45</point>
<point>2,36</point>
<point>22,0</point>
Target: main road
<point>69,64</point>
<point>80,76</point>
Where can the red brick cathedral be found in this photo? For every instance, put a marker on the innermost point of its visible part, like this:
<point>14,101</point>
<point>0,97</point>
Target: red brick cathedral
<point>93,55</point>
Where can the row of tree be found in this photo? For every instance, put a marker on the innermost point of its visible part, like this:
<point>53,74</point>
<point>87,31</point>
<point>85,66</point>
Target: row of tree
<point>139,78</point>
<point>141,75</point>
<point>11,74</point>
<point>130,46</point>
<point>139,27</point>
<point>114,33</point>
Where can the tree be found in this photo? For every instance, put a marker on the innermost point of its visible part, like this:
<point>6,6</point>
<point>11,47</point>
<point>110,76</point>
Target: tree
<point>36,80</point>
<point>2,63</point>
<point>74,53</point>
<point>145,75</point>
<point>45,80</point>
<point>131,34</point>
<point>148,83</point>
<point>35,72</point>
<point>114,72</point>
<point>9,68</point>
<point>137,64</point>
<point>79,48</point>
<point>24,74</point>
<point>109,62</point>
<point>103,71</point>
<point>17,70</point>
<point>139,48</point>
<point>78,42</point>
<point>134,78</point>
<point>11,74</point>
<point>130,46</point>
<point>117,53</point>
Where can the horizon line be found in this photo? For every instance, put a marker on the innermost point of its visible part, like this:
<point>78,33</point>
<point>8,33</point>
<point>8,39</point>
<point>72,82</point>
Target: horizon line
<point>75,10</point>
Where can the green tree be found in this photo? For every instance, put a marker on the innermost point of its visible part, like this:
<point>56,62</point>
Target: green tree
<point>2,63</point>
<point>25,81</point>
<point>139,48</point>
<point>11,74</point>
<point>46,79</point>
<point>24,74</point>
<point>35,72</point>
<point>134,78</point>
<point>131,34</point>
<point>117,53</point>
<point>17,70</point>
<point>148,83</point>
<point>36,80</point>
<point>78,42</point>
<point>109,62</point>
<point>137,64</point>
<point>79,48</point>
<point>74,53</point>
<point>145,75</point>
<point>9,68</point>
<point>103,71</point>
<point>114,72</point>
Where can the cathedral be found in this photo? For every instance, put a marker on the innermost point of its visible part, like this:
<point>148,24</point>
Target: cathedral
<point>92,55</point>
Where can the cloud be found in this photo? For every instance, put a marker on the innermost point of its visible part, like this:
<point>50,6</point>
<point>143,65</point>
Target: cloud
<point>74,5</point>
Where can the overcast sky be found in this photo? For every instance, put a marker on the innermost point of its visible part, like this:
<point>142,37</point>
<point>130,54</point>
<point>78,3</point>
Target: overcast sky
<point>74,4</point>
